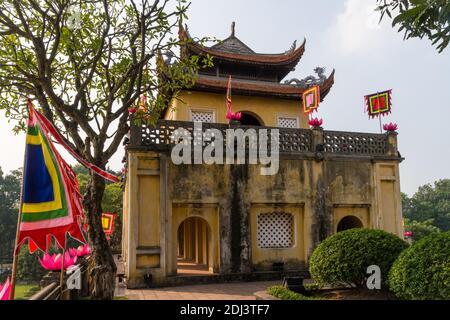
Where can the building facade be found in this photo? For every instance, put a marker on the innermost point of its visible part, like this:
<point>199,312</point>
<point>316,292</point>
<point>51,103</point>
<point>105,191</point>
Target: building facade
<point>224,220</point>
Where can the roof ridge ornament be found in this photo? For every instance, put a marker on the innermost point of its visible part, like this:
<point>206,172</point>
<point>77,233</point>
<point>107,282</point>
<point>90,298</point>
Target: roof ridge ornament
<point>233,27</point>
<point>309,81</point>
<point>293,47</point>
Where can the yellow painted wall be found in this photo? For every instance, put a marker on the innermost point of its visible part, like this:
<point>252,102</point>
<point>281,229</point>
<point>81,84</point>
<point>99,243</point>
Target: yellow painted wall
<point>389,197</point>
<point>267,110</point>
<point>266,256</point>
<point>159,196</point>
<point>361,213</point>
<point>148,224</point>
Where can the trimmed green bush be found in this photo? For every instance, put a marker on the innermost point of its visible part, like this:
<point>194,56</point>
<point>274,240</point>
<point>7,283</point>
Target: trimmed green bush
<point>343,258</point>
<point>282,293</point>
<point>423,270</point>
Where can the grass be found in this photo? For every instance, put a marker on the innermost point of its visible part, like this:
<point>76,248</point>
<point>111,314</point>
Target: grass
<point>25,291</point>
<point>121,298</point>
<point>282,293</point>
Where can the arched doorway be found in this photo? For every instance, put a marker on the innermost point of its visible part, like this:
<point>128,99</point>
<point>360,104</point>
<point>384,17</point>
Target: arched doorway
<point>349,222</point>
<point>193,247</point>
<point>249,119</point>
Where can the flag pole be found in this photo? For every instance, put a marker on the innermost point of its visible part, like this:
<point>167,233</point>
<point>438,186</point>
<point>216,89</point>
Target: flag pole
<point>61,279</point>
<point>16,254</point>
<point>19,219</point>
<point>379,117</point>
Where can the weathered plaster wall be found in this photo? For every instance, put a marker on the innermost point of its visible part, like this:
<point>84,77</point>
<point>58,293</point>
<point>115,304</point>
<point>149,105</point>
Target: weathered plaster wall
<point>160,195</point>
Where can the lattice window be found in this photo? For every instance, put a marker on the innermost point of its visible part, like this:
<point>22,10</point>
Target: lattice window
<point>286,122</point>
<point>275,230</point>
<point>202,116</point>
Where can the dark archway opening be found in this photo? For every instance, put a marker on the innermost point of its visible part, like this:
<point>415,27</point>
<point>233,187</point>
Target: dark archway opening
<point>248,119</point>
<point>193,245</point>
<point>349,222</point>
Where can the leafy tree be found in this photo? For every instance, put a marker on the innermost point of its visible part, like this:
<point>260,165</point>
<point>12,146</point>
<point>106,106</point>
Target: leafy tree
<point>9,208</point>
<point>28,268</point>
<point>420,18</point>
<point>86,63</point>
<point>420,229</point>
<point>112,202</point>
<point>430,202</point>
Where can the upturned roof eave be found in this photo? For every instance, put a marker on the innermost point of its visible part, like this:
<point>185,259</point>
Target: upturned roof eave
<point>267,89</point>
<point>289,58</point>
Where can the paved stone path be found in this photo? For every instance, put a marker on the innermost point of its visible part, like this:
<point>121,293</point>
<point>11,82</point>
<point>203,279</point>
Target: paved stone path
<point>222,291</point>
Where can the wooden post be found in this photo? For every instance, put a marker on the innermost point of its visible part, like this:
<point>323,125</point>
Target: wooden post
<point>61,279</point>
<point>19,219</point>
<point>16,256</point>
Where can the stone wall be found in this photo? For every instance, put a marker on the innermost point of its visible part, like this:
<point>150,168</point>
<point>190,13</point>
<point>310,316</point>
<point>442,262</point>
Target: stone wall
<point>342,175</point>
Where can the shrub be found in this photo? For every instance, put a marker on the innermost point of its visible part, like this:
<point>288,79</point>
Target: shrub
<point>420,229</point>
<point>282,293</point>
<point>423,270</point>
<point>344,257</point>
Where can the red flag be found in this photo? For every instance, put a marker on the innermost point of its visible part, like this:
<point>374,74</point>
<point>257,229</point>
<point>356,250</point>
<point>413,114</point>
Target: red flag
<point>229,95</point>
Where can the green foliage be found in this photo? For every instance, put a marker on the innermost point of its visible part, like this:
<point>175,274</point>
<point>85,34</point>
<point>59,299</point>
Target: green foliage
<point>282,293</point>
<point>430,203</point>
<point>9,208</point>
<point>85,64</point>
<point>344,257</point>
<point>311,286</point>
<point>111,202</point>
<point>29,269</point>
<point>423,270</point>
<point>25,291</point>
<point>420,18</point>
<point>85,75</point>
<point>420,229</point>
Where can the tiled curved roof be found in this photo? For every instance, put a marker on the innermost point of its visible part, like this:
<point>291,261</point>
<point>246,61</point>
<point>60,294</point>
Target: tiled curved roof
<point>262,88</point>
<point>234,50</point>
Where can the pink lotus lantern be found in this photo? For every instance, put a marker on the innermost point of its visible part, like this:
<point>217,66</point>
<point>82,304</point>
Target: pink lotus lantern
<point>5,290</point>
<point>390,127</point>
<point>53,262</point>
<point>233,116</point>
<point>81,251</point>
<point>408,234</point>
<point>131,110</point>
<point>315,122</point>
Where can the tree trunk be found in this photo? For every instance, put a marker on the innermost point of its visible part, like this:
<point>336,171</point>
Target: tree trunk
<point>103,269</point>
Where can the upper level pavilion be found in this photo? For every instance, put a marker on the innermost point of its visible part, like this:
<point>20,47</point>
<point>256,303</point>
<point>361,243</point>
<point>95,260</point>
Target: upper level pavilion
<point>258,89</point>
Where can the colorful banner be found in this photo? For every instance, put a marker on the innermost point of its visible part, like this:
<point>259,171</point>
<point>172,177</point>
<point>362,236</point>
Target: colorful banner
<point>49,128</point>
<point>311,99</point>
<point>51,202</point>
<point>5,290</point>
<point>378,104</point>
<point>108,223</point>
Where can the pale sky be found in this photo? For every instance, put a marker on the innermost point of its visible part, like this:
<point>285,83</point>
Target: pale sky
<point>344,35</point>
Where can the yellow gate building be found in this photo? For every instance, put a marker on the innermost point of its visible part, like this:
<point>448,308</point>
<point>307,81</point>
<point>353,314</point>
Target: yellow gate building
<point>227,221</point>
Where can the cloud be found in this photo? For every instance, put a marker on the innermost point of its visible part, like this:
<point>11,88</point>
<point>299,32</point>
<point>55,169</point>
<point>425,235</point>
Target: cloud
<point>356,30</point>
